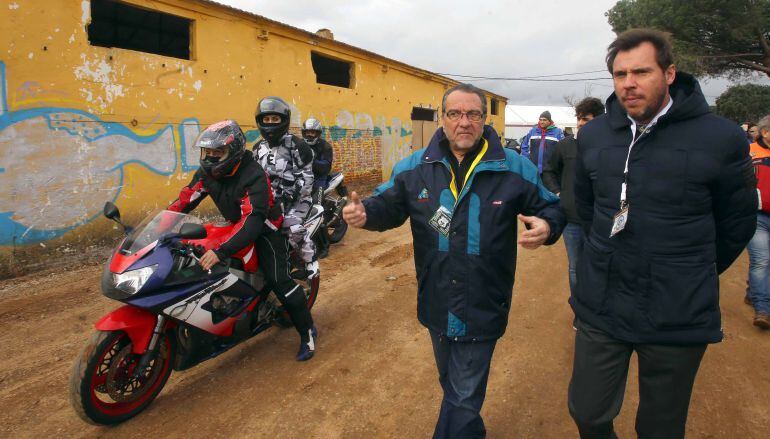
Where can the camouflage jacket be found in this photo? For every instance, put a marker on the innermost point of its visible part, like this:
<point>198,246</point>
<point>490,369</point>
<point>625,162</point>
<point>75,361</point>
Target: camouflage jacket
<point>290,168</point>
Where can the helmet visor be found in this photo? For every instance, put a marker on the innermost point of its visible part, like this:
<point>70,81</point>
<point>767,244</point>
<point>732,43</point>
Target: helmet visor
<point>310,134</point>
<point>214,155</point>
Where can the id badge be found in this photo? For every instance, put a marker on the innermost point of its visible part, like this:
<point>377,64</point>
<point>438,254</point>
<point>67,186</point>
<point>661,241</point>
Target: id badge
<point>441,220</point>
<point>619,221</point>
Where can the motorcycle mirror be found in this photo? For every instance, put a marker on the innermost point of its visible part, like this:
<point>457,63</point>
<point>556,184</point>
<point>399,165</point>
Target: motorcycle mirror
<point>192,231</point>
<point>111,211</point>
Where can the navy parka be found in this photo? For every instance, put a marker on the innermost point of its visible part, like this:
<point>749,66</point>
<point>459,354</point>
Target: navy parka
<point>692,210</point>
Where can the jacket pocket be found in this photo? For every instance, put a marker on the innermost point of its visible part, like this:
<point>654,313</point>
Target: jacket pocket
<point>682,293</point>
<point>593,273</point>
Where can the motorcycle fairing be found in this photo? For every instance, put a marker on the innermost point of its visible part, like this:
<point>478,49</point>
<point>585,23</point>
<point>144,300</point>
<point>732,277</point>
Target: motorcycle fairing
<point>137,323</point>
<point>197,310</point>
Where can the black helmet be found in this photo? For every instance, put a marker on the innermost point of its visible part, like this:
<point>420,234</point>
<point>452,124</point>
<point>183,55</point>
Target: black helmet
<point>222,146</point>
<point>273,105</point>
<point>311,131</point>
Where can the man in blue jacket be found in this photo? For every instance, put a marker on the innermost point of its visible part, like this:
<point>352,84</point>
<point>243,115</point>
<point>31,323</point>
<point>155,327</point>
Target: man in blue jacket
<point>463,194</point>
<point>667,194</point>
<point>541,140</point>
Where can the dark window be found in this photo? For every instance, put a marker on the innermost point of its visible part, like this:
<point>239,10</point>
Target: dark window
<point>419,113</point>
<point>493,106</point>
<point>331,71</point>
<point>115,24</point>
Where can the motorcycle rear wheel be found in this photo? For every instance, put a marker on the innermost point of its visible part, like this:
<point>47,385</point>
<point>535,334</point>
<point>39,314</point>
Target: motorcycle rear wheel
<point>337,230</point>
<point>102,388</point>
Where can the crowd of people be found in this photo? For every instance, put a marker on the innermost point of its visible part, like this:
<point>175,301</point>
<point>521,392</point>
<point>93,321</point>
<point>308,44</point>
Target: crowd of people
<point>655,197</point>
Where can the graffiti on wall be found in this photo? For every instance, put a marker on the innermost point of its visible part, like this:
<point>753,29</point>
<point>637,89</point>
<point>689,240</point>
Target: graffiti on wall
<point>59,163</point>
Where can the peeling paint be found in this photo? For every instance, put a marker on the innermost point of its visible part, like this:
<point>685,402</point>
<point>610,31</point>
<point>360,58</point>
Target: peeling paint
<point>197,85</point>
<point>100,72</point>
<point>13,6</point>
<point>85,6</point>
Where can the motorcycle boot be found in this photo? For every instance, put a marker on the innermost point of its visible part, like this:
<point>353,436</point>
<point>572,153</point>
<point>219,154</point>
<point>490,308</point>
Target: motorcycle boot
<point>296,306</point>
<point>307,345</point>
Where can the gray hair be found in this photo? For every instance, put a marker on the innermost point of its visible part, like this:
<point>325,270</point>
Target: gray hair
<point>764,124</point>
<point>467,88</point>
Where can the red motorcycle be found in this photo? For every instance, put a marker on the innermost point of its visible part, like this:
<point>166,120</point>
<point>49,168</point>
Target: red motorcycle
<point>175,316</point>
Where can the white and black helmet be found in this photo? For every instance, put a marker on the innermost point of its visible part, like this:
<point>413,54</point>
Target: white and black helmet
<point>311,131</point>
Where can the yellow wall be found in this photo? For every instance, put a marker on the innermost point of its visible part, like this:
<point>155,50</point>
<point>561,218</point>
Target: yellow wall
<point>81,124</point>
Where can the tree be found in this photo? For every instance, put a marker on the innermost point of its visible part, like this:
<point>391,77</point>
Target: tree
<point>748,102</point>
<point>710,37</point>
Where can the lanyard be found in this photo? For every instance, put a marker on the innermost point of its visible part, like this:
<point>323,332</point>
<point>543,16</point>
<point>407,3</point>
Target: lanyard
<point>645,130</point>
<point>636,138</point>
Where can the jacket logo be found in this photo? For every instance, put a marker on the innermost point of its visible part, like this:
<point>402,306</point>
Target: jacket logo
<point>497,203</point>
<point>423,195</point>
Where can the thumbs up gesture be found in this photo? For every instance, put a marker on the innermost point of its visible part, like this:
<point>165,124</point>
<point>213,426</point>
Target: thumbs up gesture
<point>354,212</point>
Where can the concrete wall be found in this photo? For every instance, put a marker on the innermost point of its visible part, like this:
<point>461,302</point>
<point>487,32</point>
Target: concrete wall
<point>80,125</point>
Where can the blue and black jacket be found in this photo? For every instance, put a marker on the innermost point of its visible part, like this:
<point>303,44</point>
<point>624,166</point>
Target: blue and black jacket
<point>465,279</point>
<point>530,145</point>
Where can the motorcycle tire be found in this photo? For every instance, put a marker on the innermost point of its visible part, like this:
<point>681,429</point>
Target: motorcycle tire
<point>100,378</point>
<point>337,231</point>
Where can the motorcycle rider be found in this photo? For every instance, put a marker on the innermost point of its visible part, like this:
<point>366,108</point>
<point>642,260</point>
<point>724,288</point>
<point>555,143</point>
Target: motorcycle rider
<point>288,161</point>
<point>322,164</point>
<point>240,189</point>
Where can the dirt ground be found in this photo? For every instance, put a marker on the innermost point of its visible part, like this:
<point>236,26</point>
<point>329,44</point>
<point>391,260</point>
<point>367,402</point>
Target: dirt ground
<point>373,374</point>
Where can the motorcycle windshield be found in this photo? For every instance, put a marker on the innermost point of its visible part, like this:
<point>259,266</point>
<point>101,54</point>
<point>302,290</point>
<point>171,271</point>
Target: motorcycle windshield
<point>153,227</point>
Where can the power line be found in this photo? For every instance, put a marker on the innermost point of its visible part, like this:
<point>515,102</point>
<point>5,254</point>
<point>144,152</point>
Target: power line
<point>533,79</point>
<point>523,77</point>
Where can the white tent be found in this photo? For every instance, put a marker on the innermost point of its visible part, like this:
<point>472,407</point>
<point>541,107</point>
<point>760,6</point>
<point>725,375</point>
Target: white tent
<point>519,119</point>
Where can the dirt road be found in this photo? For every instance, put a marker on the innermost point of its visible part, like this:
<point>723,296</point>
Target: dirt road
<point>373,375</point>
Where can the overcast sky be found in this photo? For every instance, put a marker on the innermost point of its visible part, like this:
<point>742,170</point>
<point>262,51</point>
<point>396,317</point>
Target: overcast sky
<point>506,38</point>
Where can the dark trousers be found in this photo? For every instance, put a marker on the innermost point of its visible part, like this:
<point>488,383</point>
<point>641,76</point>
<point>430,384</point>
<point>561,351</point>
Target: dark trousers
<point>666,376</point>
<point>463,369</point>
<point>273,251</point>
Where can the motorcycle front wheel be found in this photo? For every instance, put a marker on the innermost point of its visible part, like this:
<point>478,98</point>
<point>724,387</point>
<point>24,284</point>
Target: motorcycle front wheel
<point>103,387</point>
<point>337,230</point>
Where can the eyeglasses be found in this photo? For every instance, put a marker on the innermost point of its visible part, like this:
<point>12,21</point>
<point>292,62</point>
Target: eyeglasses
<point>473,115</point>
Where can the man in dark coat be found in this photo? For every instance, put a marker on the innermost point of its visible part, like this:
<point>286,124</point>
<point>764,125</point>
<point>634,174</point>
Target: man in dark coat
<point>559,178</point>
<point>463,194</point>
<point>667,194</point>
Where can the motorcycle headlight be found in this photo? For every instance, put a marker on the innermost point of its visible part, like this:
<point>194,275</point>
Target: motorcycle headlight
<point>132,281</point>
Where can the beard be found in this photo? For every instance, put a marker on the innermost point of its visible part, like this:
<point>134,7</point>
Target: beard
<point>646,114</point>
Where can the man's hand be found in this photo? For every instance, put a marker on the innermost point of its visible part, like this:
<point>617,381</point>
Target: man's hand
<point>354,213</point>
<point>536,234</point>
<point>208,260</point>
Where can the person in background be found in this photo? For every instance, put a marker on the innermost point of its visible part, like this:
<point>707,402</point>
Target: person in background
<point>323,156</point>
<point>759,246</point>
<point>753,132</point>
<point>288,161</point>
<point>538,144</point>
<point>559,178</point>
